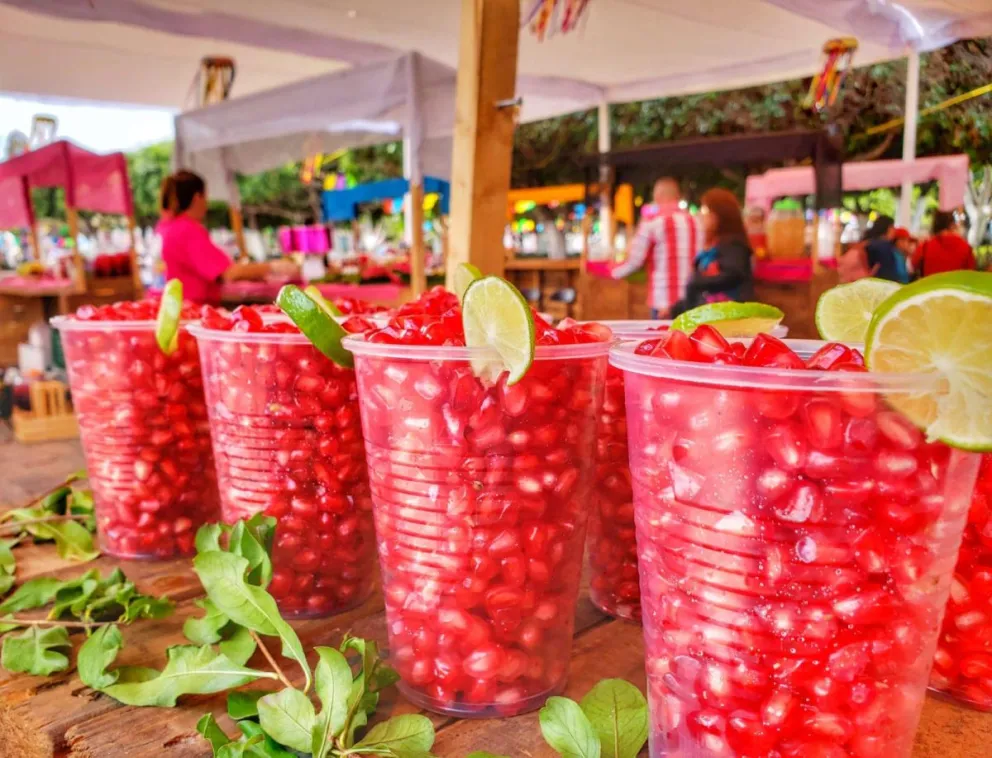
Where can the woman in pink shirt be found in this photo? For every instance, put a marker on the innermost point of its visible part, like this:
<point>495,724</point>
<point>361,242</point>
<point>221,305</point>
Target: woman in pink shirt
<point>191,256</point>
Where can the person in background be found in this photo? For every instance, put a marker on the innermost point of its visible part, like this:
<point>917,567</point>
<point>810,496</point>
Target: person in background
<point>884,259</point>
<point>191,256</point>
<point>905,244</point>
<point>667,244</point>
<point>723,270</point>
<point>946,250</point>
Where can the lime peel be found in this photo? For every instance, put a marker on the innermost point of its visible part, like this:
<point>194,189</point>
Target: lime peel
<point>464,275</point>
<point>325,305</point>
<point>939,326</point>
<point>170,311</point>
<point>731,319</point>
<point>843,313</point>
<point>316,324</point>
<point>496,316</point>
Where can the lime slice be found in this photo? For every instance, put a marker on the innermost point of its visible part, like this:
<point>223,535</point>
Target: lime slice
<point>844,312</point>
<point>939,325</point>
<point>463,276</point>
<point>325,305</point>
<point>495,315</point>
<point>170,310</point>
<point>318,326</point>
<point>731,319</point>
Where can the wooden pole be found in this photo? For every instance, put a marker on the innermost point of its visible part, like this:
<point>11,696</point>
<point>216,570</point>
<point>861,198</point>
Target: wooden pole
<point>135,272</point>
<point>238,227</point>
<point>418,273</point>
<point>78,276</point>
<point>483,136</point>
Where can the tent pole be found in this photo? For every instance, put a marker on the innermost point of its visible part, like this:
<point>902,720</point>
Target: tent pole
<point>238,227</point>
<point>484,124</point>
<point>79,277</point>
<point>408,224</point>
<point>135,272</point>
<point>909,135</point>
<point>607,231</point>
<point>418,253</point>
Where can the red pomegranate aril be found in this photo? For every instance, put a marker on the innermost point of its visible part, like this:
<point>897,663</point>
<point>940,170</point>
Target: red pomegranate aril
<point>479,493</point>
<point>791,586</point>
<point>151,466</point>
<point>279,402</point>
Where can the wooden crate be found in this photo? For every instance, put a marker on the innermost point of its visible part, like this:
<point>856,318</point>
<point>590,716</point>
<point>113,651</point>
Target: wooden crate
<point>50,417</point>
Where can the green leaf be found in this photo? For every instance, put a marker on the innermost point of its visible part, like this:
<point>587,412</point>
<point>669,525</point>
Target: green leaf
<point>403,735</point>
<point>190,670</point>
<point>238,644</point>
<point>208,537</point>
<point>8,566</point>
<point>211,731</point>
<point>206,630</point>
<point>247,539</point>
<point>55,501</point>
<point>34,593</point>
<point>223,577</point>
<point>287,717</point>
<point>244,705</point>
<point>35,651</point>
<point>146,607</point>
<point>333,680</point>
<point>566,728</point>
<point>72,540</point>
<point>618,713</point>
<point>269,748</point>
<point>73,592</point>
<point>96,654</point>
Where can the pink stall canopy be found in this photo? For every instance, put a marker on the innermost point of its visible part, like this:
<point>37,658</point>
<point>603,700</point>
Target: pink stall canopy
<point>950,171</point>
<point>92,182</point>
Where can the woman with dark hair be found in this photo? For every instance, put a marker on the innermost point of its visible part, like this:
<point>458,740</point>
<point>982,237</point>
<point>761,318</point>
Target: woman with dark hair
<point>884,258</point>
<point>946,250</point>
<point>723,270</point>
<point>191,256</point>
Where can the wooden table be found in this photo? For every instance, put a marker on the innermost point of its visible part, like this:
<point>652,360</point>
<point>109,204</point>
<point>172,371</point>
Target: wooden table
<point>60,716</point>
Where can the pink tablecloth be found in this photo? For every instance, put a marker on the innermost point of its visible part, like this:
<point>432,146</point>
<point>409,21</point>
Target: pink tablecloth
<point>784,271</point>
<point>32,285</point>
<point>598,268</point>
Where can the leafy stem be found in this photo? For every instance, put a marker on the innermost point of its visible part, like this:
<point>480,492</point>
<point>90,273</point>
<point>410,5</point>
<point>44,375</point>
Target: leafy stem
<point>17,525</point>
<point>270,658</point>
<point>54,622</point>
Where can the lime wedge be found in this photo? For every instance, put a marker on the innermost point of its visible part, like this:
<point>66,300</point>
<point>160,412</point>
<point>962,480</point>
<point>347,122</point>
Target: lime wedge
<point>939,325</point>
<point>844,312</point>
<point>731,319</point>
<point>464,274</point>
<point>319,327</point>
<point>495,315</point>
<point>325,305</point>
<point>170,310</point>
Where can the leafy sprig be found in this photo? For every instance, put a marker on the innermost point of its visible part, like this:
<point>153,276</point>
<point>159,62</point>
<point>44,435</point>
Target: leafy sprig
<point>611,721</point>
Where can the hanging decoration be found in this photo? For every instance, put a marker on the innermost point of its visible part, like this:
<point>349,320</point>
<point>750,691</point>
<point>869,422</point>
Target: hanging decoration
<point>214,80</point>
<point>549,17</point>
<point>826,85</point>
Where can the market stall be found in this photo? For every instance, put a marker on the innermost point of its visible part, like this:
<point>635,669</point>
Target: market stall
<point>797,294</point>
<point>90,182</point>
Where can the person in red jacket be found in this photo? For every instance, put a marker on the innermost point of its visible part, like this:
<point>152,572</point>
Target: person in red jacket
<point>946,250</point>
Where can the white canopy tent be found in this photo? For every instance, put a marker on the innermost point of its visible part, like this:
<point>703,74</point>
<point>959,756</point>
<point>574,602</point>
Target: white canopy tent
<point>406,97</point>
<point>147,51</point>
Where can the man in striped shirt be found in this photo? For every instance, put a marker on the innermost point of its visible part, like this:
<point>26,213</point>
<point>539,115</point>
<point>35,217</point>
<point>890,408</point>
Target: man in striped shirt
<point>667,244</point>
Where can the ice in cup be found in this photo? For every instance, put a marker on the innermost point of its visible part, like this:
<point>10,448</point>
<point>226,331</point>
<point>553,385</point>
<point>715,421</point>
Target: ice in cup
<point>143,426</point>
<point>288,443</point>
<point>480,492</point>
<point>796,540</point>
<point>962,665</point>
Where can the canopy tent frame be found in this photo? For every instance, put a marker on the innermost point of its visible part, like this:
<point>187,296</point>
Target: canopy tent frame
<point>90,181</point>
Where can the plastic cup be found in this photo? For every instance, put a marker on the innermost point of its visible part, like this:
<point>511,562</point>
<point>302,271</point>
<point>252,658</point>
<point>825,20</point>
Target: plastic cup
<point>481,497</point>
<point>613,584</point>
<point>796,540</point>
<point>143,425</point>
<point>288,442</point>
<point>962,665</point>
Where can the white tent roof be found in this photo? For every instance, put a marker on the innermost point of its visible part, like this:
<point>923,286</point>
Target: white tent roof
<point>407,96</point>
<point>147,51</point>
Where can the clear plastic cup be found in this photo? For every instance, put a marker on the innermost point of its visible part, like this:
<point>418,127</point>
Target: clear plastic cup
<point>481,494</point>
<point>796,540</point>
<point>613,584</point>
<point>143,425</point>
<point>288,442</point>
<point>962,665</point>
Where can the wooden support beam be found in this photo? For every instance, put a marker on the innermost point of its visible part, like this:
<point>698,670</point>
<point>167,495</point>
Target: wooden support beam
<point>483,136</point>
<point>132,228</point>
<point>78,273</point>
<point>238,227</point>
<point>418,253</point>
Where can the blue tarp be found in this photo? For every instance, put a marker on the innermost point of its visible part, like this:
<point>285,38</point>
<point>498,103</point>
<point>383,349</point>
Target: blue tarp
<point>342,205</point>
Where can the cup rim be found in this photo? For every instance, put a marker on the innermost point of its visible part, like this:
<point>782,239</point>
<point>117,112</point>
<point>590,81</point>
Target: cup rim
<point>648,328</point>
<point>70,324</point>
<point>623,357</point>
<point>358,345</point>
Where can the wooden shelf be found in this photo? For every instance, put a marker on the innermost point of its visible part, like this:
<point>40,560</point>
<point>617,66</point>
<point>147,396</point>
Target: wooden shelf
<point>544,264</point>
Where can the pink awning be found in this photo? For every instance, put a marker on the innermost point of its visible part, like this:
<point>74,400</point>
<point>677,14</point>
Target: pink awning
<point>951,171</point>
<point>92,182</point>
